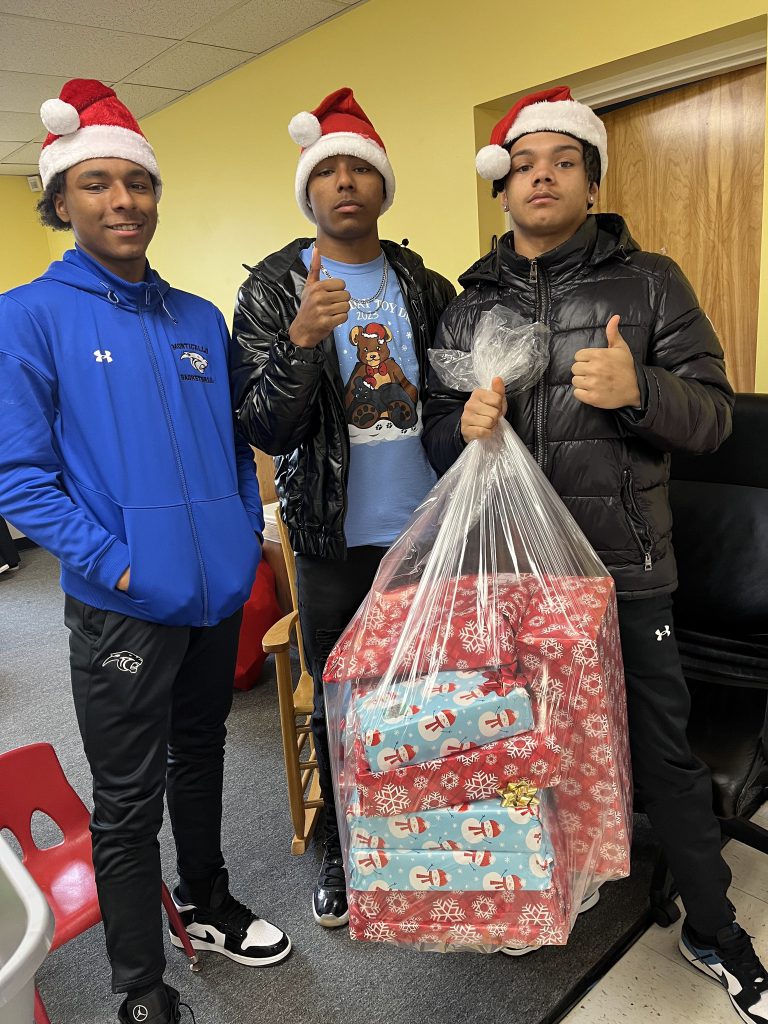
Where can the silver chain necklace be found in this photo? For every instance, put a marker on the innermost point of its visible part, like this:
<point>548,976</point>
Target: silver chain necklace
<point>380,291</point>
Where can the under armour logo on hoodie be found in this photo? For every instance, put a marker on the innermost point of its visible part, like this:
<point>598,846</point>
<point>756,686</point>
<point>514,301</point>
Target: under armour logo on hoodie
<point>102,357</point>
<point>661,633</point>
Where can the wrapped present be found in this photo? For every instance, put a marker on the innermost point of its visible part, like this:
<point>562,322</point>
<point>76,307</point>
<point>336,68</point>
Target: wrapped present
<point>449,870</point>
<point>464,707</point>
<point>466,626</point>
<point>568,645</point>
<point>464,773</point>
<point>482,846</point>
<point>482,825</point>
<point>472,920</point>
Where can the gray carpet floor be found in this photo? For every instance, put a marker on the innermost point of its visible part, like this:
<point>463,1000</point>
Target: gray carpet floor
<point>327,979</point>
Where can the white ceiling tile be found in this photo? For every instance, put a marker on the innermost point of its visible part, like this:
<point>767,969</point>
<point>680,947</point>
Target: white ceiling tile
<point>26,93</point>
<point>172,19</point>
<point>6,148</point>
<point>144,99</point>
<point>261,24</point>
<point>18,168</point>
<point>28,153</point>
<point>53,48</point>
<point>18,126</point>
<point>188,66</point>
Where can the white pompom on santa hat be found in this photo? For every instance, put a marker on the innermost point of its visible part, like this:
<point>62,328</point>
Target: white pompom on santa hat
<point>551,110</point>
<point>337,127</point>
<point>87,121</point>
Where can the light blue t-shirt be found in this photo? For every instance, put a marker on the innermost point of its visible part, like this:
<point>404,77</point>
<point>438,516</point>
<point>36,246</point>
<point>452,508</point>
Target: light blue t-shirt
<point>389,474</point>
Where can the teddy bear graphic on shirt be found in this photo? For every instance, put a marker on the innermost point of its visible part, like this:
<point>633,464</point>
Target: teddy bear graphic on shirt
<point>378,389</point>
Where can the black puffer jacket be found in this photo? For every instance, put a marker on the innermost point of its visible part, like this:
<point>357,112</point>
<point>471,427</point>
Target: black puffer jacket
<point>290,401</point>
<point>611,468</point>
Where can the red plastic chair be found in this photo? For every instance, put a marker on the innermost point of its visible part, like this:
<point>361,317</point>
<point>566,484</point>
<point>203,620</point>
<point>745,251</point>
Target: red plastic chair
<point>31,779</point>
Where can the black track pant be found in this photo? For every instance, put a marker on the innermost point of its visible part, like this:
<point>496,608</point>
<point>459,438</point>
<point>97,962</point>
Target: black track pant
<point>674,786</point>
<point>151,703</point>
<point>330,592</point>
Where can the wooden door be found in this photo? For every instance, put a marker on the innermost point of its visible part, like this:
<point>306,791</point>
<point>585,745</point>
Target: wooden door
<point>685,169</point>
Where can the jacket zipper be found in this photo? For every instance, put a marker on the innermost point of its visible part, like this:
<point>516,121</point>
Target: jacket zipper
<point>637,522</point>
<point>179,464</point>
<point>539,281</point>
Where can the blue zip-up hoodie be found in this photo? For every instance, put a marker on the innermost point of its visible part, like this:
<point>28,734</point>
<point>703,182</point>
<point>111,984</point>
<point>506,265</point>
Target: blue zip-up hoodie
<point>117,444</point>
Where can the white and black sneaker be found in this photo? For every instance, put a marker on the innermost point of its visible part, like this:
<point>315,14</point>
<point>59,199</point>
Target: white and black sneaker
<point>227,926</point>
<point>590,900</point>
<point>731,960</point>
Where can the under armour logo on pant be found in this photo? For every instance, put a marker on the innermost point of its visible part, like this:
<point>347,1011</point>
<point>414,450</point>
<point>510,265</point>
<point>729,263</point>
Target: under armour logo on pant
<point>102,357</point>
<point>661,633</point>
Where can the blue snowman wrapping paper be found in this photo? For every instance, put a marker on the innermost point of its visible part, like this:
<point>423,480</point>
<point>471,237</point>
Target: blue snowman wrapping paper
<point>410,725</point>
<point>479,846</point>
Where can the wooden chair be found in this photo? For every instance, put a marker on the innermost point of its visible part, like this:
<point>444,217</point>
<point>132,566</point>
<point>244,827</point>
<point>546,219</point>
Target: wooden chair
<point>296,703</point>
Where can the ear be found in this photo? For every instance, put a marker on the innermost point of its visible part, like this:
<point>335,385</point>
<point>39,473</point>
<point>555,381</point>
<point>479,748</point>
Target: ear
<point>353,334</point>
<point>592,194</point>
<point>388,334</point>
<point>504,201</point>
<point>60,206</point>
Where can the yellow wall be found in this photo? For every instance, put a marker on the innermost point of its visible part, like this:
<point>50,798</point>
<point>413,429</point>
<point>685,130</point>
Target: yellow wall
<point>419,67</point>
<point>24,251</point>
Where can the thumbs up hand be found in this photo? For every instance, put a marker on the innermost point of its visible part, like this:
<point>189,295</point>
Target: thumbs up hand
<point>483,411</point>
<point>606,377</point>
<point>324,306</point>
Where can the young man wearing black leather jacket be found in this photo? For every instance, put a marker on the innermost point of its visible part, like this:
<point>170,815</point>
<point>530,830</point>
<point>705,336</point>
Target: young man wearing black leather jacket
<point>329,373</point>
<point>636,372</point>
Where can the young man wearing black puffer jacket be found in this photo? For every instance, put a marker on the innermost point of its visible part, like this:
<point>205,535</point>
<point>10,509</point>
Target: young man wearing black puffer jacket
<point>329,375</point>
<point>636,372</point>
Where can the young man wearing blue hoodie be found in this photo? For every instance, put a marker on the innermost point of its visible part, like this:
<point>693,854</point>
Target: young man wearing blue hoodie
<point>118,455</point>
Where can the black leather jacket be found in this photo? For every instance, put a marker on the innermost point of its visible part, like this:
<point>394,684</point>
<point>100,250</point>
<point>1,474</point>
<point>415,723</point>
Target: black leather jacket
<point>289,401</point>
<point>611,468</point>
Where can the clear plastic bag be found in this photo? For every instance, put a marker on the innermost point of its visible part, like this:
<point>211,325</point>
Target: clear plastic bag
<point>476,705</point>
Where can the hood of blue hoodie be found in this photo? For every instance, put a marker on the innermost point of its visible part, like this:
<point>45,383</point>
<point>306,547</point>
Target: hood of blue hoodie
<point>78,269</point>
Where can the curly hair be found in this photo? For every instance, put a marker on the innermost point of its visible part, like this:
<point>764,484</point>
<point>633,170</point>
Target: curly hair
<point>591,164</point>
<point>46,208</point>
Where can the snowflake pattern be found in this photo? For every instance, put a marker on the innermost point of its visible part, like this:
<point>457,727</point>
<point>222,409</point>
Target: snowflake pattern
<point>482,786</point>
<point>447,911</point>
<point>391,800</point>
<point>377,931</point>
<point>484,908</point>
<point>449,780</point>
<point>465,933</point>
<point>474,637</point>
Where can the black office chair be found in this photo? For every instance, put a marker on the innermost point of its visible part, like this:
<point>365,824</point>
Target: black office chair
<point>720,509</point>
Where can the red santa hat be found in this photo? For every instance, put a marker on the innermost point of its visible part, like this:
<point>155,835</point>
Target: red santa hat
<point>337,127</point>
<point>86,121</point>
<point>552,110</point>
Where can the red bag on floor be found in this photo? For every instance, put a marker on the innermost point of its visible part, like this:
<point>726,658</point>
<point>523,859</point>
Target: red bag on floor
<point>261,611</point>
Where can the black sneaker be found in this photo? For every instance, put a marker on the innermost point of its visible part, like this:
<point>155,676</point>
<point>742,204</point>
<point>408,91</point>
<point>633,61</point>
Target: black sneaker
<point>160,1006</point>
<point>329,900</point>
<point>228,927</point>
<point>732,961</point>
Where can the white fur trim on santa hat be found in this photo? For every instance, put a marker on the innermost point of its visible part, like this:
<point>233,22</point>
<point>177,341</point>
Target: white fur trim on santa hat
<point>342,144</point>
<point>98,140</point>
<point>566,116</point>
<point>492,163</point>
